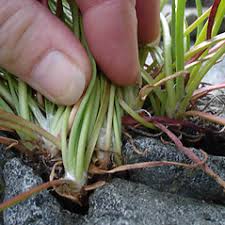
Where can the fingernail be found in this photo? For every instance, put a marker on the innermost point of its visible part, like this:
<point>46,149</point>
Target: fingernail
<point>58,78</point>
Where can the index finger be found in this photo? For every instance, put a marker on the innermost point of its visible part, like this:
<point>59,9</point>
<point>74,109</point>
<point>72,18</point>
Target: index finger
<point>148,14</point>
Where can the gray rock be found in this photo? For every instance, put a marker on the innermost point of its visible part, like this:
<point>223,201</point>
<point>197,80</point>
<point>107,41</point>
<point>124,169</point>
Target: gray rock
<point>127,203</point>
<point>217,74</point>
<point>41,209</point>
<point>186,182</point>
<point>214,103</point>
<point>191,3</point>
<point>4,156</point>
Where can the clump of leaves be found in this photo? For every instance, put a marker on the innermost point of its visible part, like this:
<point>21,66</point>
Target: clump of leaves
<point>84,137</point>
<point>89,130</point>
<point>172,79</point>
<point>179,66</point>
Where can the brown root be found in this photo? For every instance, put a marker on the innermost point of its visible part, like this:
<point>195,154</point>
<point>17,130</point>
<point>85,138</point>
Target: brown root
<point>23,196</point>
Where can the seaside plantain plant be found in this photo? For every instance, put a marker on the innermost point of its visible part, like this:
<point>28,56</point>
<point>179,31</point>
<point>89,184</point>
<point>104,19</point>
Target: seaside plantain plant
<point>74,136</point>
<point>89,133</point>
<point>180,66</point>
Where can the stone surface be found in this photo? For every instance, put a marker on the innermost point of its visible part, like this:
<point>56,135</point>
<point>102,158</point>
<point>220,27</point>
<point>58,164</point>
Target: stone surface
<point>217,74</point>
<point>214,103</point>
<point>41,209</point>
<point>186,182</point>
<point>191,3</point>
<point>4,156</point>
<point>126,203</point>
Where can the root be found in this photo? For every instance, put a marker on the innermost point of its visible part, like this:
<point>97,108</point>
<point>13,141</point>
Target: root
<point>12,143</point>
<point>69,189</point>
<point>23,196</point>
<point>152,164</point>
<point>191,155</point>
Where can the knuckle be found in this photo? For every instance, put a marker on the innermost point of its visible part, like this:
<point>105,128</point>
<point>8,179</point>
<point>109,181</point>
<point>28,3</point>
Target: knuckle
<point>86,5</point>
<point>14,23</point>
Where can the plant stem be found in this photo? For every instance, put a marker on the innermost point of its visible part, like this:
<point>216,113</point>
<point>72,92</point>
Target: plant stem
<point>109,122</point>
<point>4,106</point>
<point>173,30</point>
<point>197,79</point>
<point>75,17</point>
<point>180,10</point>
<point>18,128</point>
<point>75,130</point>
<point>219,18</point>
<point>64,147</point>
<point>96,106</point>
<point>197,22</point>
<point>135,115</point>
<point>23,100</point>
<point>4,93</point>
<point>25,124</point>
<point>98,124</point>
<point>55,119</point>
<point>204,45</point>
<point>150,81</point>
<point>37,113</point>
<point>22,197</point>
<point>199,11</point>
<point>117,136</point>
<point>171,100</point>
<point>12,90</point>
<point>80,159</point>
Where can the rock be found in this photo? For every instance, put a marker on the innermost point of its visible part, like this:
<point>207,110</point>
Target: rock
<point>41,209</point>
<point>4,156</point>
<point>127,203</point>
<point>186,182</point>
<point>191,3</point>
<point>214,104</point>
<point>207,3</point>
<point>217,74</point>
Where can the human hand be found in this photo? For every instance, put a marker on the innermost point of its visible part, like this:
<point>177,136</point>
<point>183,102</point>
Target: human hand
<point>40,49</point>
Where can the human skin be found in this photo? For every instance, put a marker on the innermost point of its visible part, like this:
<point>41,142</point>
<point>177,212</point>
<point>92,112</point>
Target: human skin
<point>38,48</point>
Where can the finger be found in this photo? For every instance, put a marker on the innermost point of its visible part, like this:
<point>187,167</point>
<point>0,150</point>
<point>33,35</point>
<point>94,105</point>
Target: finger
<point>111,31</point>
<point>40,50</point>
<point>148,13</point>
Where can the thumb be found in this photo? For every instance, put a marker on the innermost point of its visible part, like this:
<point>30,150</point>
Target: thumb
<point>40,50</point>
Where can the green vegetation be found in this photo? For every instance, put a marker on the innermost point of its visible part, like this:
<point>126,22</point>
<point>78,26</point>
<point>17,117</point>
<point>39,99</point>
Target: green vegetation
<point>90,132</point>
